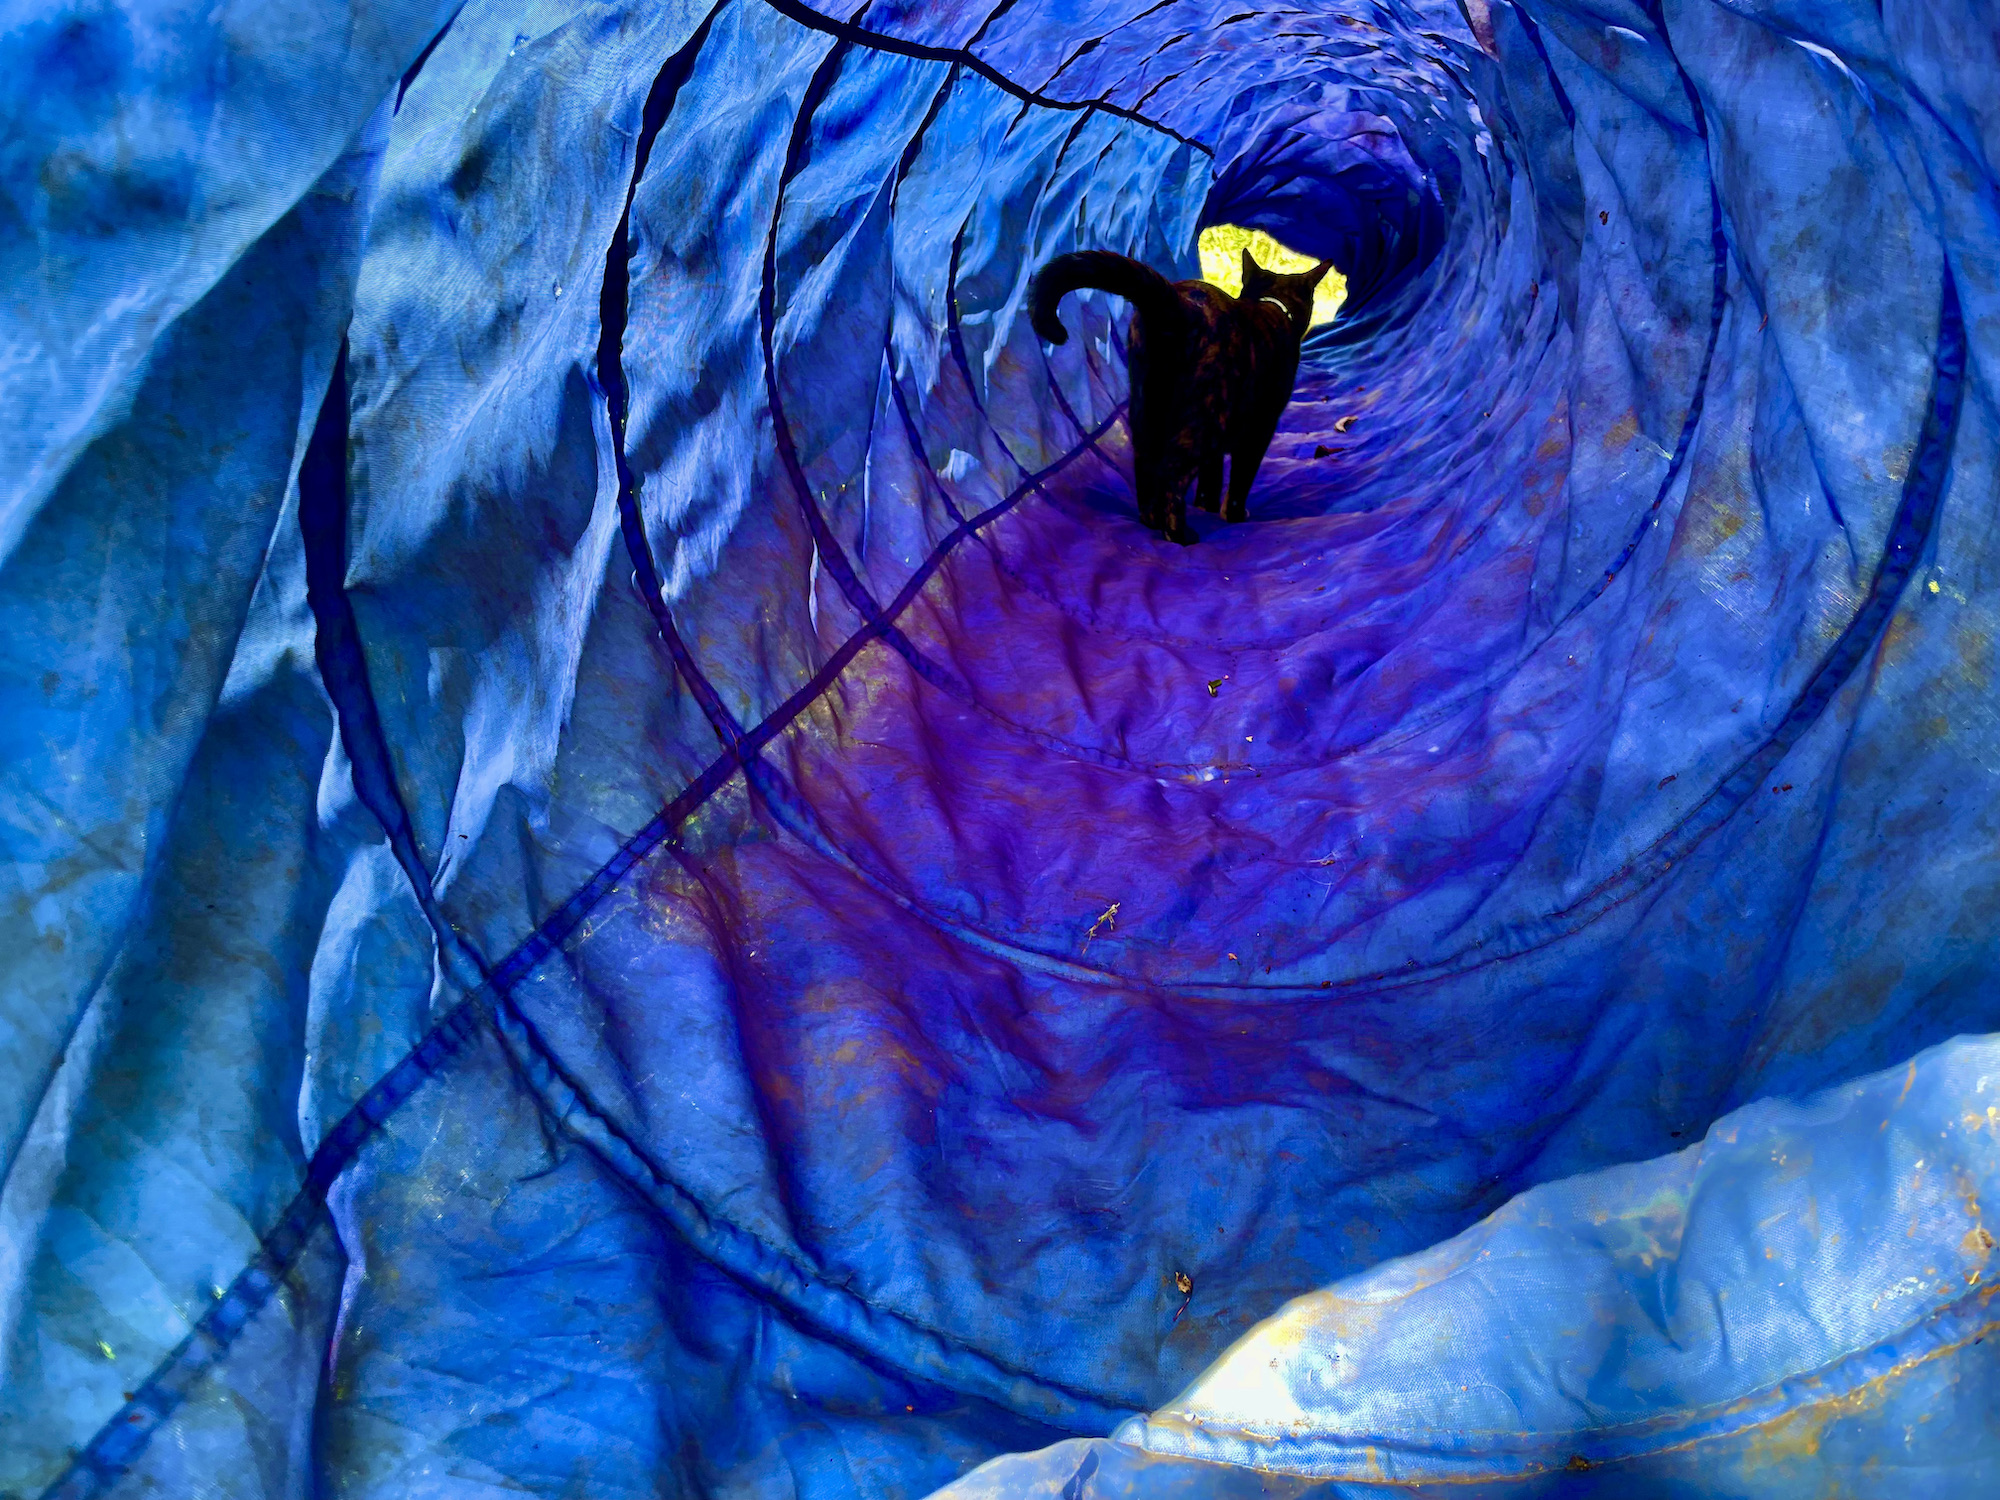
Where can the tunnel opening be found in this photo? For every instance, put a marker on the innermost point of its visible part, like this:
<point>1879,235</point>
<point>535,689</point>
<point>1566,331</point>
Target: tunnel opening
<point>1220,249</point>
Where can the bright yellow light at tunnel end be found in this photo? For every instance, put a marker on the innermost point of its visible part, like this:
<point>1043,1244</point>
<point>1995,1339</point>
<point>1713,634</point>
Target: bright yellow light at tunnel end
<point>1222,247</point>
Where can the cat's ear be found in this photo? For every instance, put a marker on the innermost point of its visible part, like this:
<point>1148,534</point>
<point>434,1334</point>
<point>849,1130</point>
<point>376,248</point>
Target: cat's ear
<point>1250,266</point>
<point>1319,271</point>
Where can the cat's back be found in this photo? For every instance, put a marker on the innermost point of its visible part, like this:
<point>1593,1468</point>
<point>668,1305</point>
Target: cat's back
<point>1232,338</point>
<point>1206,305</point>
<point>1199,348</point>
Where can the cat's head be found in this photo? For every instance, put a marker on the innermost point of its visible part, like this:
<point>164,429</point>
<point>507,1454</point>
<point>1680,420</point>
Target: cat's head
<point>1293,292</point>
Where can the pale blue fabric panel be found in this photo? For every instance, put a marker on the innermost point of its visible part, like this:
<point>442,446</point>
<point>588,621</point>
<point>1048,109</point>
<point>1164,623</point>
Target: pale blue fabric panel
<point>1684,1326</point>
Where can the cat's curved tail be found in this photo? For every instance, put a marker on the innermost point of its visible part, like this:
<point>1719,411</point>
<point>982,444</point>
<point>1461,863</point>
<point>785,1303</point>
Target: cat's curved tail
<point>1107,271</point>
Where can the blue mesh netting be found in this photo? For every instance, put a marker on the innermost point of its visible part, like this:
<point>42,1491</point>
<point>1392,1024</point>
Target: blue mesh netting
<point>629,876</point>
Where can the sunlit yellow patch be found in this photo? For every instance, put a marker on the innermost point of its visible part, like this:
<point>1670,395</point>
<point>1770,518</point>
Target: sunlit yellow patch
<point>1222,247</point>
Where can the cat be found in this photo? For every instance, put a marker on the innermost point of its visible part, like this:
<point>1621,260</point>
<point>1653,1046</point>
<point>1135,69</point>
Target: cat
<point>1211,373</point>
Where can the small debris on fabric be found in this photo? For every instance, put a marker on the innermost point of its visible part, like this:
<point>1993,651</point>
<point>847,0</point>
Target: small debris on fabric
<point>1106,922</point>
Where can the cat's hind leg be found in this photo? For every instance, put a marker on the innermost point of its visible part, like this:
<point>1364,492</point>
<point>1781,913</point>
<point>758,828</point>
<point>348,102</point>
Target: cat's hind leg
<point>1173,508</point>
<point>1245,457</point>
<point>1208,493</point>
<point>1149,485</point>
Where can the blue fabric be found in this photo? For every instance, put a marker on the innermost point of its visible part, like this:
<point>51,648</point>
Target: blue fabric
<point>1683,1326</point>
<point>629,876</point>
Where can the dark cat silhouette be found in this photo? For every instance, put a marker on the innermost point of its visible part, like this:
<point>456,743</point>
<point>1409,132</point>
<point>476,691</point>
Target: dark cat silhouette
<point>1211,373</point>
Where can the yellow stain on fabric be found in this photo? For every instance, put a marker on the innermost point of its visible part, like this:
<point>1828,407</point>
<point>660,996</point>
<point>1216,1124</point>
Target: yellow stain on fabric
<point>1221,248</point>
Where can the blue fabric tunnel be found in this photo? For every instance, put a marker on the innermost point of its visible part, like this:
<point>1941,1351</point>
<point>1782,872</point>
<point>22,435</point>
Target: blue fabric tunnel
<point>629,876</point>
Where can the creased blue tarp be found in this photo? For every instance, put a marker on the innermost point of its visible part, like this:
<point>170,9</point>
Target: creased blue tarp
<point>629,876</point>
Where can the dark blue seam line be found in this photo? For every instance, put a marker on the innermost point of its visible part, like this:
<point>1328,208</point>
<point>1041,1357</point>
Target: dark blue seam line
<point>343,665</point>
<point>1719,302</point>
<point>1945,1330</point>
<point>797,151</point>
<point>951,294</point>
<point>916,142</point>
<point>1909,535</point>
<point>1068,411</point>
<point>1157,87</point>
<point>831,554</point>
<point>1155,55</point>
<point>119,1442</point>
<point>1062,400</point>
<point>956,337</point>
<point>904,165</point>
<point>1089,46</point>
<point>951,78</point>
<point>1541,50</point>
<point>343,669</point>
<point>1095,42</point>
<point>891,1342</point>
<point>560,923</point>
<point>1055,386</point>
<point>957,333</point>
<point>987,25</point>
<point>614,313</point>
<point>565,919</point>
<point>882,42</point>
<point>410,73</point>
<point>916,442</point>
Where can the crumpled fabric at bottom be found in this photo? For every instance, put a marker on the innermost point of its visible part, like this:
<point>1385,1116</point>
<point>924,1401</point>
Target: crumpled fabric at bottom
<point>1801,1303</point>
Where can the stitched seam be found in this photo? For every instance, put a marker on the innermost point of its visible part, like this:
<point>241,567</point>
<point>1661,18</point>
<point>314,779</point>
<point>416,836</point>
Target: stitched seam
<point>1959,1323</point>
<point>882,42</point>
